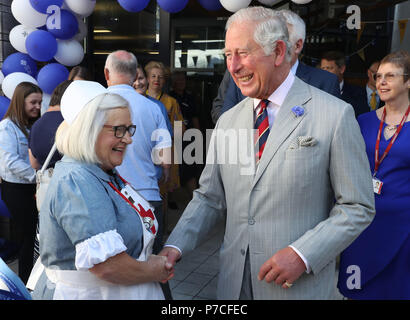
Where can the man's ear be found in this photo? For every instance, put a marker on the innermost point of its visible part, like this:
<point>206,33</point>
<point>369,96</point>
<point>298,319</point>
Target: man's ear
<point>343,69</point>
<point>369,74</point>
<point>298,46</point>
<point>106,74</point>
<point>280,51</point>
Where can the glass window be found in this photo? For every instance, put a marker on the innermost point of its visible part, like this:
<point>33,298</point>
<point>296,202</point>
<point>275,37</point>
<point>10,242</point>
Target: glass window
<point>199,48</point>
<point>115,28</point>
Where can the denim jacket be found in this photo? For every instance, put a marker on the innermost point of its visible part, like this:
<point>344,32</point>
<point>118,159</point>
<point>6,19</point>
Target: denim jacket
<point>14,160</point>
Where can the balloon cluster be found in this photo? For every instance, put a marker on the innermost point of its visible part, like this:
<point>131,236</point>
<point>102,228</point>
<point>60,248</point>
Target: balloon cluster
<point>172,6</point>
<point>49,31</point>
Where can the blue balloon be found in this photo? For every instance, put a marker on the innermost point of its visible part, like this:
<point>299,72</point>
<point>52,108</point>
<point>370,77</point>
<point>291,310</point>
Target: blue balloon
<point>41,45</point>
<point>133,5</point>
<point>4,105</point>
<point>19,62</point>
<point>42,5</point>
<point>211,5</point>
<point>50,76</point>
<point>172,6</point>
<point>62,25</point>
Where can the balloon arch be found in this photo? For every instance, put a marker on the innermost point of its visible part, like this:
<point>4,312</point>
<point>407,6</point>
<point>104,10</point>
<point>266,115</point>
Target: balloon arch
<point>52,31</point>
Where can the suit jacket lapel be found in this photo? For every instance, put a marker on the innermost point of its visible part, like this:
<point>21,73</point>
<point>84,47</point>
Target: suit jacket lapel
<point>285,123</point>
<point>245,120</point>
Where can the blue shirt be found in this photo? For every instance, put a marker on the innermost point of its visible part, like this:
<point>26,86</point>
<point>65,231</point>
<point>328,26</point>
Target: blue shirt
<point>151,132</point>
<point>14,161</point>
<point>164,113</point>
<point>369,97</point>
<point>171,132</point>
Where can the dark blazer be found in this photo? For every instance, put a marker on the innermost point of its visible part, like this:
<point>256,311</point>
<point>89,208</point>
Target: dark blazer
<point>318,78</point>
<point>357,97</point>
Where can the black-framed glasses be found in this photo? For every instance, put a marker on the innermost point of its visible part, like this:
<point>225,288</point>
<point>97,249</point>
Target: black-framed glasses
<point>389,77</point>
<point>119,131</point>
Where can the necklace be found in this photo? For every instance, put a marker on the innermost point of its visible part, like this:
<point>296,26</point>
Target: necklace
<point>389,131</point>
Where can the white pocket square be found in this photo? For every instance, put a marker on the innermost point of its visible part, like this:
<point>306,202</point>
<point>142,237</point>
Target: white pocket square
<point>303,141</point>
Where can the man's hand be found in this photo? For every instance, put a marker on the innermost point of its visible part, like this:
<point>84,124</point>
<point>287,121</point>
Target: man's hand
<point>162,269</point>
<point>172,254</point>
<point>285,265</point>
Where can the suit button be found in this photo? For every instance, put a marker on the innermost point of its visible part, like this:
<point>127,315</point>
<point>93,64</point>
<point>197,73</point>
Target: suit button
<point>251,221</point>
<point>243,252</point>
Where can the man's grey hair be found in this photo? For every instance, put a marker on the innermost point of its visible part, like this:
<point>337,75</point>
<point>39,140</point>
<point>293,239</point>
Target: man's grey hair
<point>122,62</point>
<point>78,139</point>
<point>296,26</point>
<point>270,27</point>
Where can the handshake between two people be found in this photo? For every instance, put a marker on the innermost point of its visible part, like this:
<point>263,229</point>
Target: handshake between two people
<point>283,268</point>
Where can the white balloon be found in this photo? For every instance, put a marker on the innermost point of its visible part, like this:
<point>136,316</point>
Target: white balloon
<point>18,36</point>
<point>301,1</point>
<point>25,14</point>
<point>82,29</point>
<point>82,7</point>
<point>12,80</point>
<point>69,52</point>
<point>269,2</point>
<point>1,77</point>
<point>235,5</point>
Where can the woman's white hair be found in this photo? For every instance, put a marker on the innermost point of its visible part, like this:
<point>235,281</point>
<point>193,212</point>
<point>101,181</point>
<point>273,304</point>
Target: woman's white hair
<point>78,139</point>
<point>270,27</point>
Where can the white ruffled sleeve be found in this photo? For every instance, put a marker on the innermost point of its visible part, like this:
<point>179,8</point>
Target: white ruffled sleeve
<point>97,249</point>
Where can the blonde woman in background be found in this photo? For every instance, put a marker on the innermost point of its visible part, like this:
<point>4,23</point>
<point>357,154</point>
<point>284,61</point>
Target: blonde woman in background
<point>157,75</point>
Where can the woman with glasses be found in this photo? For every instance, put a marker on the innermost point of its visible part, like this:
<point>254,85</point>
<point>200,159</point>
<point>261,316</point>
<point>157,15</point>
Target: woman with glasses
<point>96,242</point>
<point>377,263</point>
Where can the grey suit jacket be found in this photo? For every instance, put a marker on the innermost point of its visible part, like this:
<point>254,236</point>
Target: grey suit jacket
<point>312,190</point>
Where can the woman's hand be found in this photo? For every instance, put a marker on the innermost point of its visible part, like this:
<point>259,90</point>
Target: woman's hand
<point>125,270</point>
<point>161,268</point>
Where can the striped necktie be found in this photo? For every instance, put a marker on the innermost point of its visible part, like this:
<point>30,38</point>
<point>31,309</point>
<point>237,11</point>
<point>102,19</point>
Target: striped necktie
<point>262,127</point>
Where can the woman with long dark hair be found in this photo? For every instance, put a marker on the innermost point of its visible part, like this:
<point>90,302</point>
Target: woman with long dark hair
<point>18,186</point>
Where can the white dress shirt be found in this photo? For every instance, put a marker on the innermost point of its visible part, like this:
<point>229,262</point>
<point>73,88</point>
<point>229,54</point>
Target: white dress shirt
<point>295,67</point>
<point>276,99</point>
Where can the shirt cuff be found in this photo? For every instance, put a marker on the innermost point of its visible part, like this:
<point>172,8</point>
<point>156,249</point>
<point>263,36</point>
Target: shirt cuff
<point>171,246</point>
<point>97,249</point>
<point>303,258</point>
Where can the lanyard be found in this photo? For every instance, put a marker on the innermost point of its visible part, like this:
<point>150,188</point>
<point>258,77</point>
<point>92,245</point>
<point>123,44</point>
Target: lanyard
<point>378,161</point>
<point>145,215</point>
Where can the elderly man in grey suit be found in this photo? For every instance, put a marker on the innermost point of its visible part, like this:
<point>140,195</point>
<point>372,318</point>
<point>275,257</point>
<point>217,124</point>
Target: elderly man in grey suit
<point>311,193</point>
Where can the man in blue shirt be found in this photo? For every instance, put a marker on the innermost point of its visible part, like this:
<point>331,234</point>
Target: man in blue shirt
<point>151,139</point>
<point>370,91</point>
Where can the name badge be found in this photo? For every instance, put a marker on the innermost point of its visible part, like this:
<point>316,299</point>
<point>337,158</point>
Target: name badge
<point>377,186</point>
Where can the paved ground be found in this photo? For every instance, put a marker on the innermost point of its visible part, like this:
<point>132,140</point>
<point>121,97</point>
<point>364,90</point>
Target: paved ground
<point>196,274</point>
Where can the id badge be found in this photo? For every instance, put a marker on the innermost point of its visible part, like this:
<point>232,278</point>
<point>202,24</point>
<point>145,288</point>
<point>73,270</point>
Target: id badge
<point>377,186</point>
